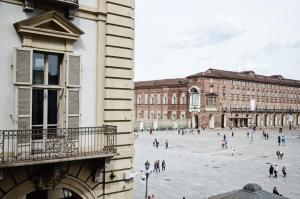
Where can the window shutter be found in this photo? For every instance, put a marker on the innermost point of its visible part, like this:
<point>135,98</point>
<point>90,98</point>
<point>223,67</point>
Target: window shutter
<point>24,108</point>
<point>73,74</point>
<point>22,66</point>
<point>73,108</point>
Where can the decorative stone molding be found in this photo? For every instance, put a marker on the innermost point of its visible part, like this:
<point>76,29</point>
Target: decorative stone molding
<point>48,31</point>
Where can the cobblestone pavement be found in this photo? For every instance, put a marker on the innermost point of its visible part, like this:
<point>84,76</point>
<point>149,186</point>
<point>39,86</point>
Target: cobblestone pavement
<point>198,167</point>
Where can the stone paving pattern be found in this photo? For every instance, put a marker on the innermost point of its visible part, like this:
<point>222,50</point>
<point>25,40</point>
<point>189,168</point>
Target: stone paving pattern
<point>198,167</point>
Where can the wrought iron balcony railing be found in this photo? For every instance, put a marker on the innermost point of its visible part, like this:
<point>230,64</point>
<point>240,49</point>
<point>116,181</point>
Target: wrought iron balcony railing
<point>37,146</point>
<point>261,110</point>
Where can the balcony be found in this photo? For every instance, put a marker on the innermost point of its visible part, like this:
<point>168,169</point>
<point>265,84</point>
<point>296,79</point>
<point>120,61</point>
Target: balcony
<point>40,146</point>
<point>261,110</point>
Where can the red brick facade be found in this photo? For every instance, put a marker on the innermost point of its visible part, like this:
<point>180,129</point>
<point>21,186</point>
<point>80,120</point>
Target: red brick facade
<point>218,99</point>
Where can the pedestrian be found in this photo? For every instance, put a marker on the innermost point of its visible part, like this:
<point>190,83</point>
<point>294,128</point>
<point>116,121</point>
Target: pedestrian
<point>248,134</point>
<point>218,133</point>
<point>283,140</point>
<point>224,137</point>
<point>152,197</point>
<point>226,147</point>
<point>154,167</point>
<point>279,140</point>
<point>267,136</point>
<point>275,172</point>
<point>167,144</point>
<point>232,133</point>
<point>284,170</point>
<point>276,192</point>
<point>271,170</point>
<point>158,166</point>
<point>149,197</point>
<point>163,165</point>
<point>223,144</point>
<point>157,144</point>
<point>232,151</point>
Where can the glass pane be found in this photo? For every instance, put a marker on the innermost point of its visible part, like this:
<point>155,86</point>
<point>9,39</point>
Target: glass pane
<point>37,106</point>
<point>195,99</point>
<point>53,69</point>
<point>38,68</point>
<point>52,107</point>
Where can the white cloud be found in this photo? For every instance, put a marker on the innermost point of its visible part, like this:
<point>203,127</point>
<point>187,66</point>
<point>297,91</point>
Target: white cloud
<point>212,32</point>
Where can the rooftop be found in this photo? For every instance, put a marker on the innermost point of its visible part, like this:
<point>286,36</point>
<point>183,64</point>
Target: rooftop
<point>216,73</point>
<point>161,82</point>
<point>247,76</point>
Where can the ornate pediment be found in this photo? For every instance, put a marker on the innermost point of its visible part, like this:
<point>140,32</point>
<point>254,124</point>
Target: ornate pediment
<point>50,24</point>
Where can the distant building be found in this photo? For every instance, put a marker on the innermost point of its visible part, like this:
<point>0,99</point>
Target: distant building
<point>218,99</point>
<point>66,99</point>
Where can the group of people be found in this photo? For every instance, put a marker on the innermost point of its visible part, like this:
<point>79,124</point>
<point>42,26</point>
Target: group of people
<point>279,154</point>
<point>273,171</point>
<point>151,197</point>
<point>156,143</point>
<point>281,139</point>
<point>189,131</point>
<point>157,166</point>
<point>265,135</point>
<point>224,142</point>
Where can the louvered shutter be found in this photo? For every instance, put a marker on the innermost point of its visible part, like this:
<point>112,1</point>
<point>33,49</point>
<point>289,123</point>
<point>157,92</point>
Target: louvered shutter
<point>73,108</point>
<point>73,74</point>
<point>73,88</point>
<point>22,66</point>
<point>24,107</point>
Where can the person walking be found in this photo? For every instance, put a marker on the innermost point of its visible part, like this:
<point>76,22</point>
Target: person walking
<point>226,147</point>
<point>167,144</point>
<point>155,166</point>
<point>232,150</point>
<point>276,192</point>
<point>163,165</point>
<point>271,170</point>
<point>279,140</point>
<point>284,170</point>
<point>152,197</point>
<point>158,166</point>
<point>283,140</point>
<point>275,172</point>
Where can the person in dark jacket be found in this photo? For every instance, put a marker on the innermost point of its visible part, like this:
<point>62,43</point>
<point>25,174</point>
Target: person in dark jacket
<point>276,192</point>
<point>271,170</point>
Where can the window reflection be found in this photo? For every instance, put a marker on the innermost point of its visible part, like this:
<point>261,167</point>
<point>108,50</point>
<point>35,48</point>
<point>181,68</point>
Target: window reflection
<point>53,69</point>
<point>38,68</point>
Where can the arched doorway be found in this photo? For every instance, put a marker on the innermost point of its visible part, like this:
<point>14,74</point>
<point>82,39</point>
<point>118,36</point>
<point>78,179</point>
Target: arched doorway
<point>195,122</point>
<point>57,193</point>
<point>266,120</point>
<point>256,120</point>
<point>211,121</point>
<point>223,125</point>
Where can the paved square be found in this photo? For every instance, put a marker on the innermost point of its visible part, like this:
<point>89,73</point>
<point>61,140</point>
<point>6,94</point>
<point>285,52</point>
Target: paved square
<point>198,167</point>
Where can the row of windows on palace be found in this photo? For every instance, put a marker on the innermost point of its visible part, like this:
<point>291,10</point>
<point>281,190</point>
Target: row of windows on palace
<point>263,85</point>
<point>167,115</point>
<point>156,99</point>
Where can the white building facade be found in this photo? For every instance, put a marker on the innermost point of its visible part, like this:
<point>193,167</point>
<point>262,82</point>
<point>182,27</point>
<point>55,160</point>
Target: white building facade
<point>66,98</point>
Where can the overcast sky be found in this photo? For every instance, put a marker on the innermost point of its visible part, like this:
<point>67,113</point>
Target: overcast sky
<point>177,38</point>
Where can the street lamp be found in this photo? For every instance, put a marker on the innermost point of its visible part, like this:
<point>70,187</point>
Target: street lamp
<point>147,165</point>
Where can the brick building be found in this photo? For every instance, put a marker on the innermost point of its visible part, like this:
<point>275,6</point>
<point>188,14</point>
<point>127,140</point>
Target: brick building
<point>218,99</point>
